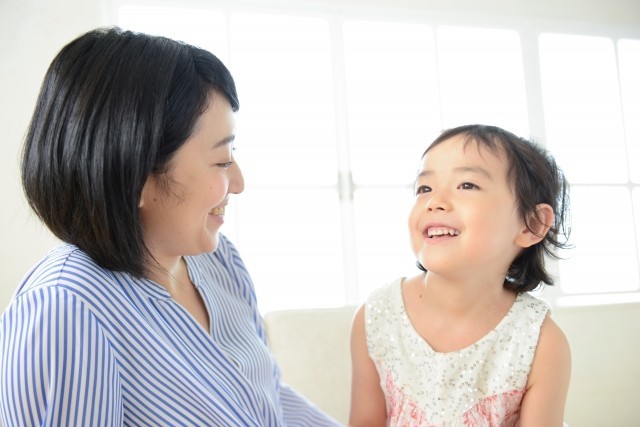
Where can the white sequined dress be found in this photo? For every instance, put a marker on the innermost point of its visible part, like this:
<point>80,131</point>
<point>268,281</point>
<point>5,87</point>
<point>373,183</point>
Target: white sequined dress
<point>480,385</point>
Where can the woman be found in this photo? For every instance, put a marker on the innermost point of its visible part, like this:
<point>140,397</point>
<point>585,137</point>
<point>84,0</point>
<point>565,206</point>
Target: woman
<point>145,315</point>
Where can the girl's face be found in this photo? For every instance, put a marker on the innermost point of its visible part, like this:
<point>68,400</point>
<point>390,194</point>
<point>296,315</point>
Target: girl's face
<point>184,219</point>
<point>464,222</point>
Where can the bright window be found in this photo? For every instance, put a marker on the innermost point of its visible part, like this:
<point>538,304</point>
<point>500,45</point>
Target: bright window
<point>201,27</point>
<point>337,109</point>
<point>604,258</point>
<point>585,124</point>
<point>392,99</point>
<point>629,59</point>
<point>582,107</point>
<point>282,68</point>
<point>482,78</point>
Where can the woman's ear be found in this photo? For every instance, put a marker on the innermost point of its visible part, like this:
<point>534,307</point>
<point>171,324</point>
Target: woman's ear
<point>144,193</point>
<point>538,224</point>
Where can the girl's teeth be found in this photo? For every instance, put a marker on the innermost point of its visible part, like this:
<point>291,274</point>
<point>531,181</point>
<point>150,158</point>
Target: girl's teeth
<point>217,211</point>
<point>442,232</point>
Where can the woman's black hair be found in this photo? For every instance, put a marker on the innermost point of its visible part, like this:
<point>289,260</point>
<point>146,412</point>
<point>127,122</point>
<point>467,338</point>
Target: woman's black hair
<point>535,178</point>
<point>113,109</point>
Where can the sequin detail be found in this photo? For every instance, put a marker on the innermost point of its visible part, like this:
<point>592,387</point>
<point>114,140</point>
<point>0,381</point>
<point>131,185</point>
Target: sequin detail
<point>480,385</point>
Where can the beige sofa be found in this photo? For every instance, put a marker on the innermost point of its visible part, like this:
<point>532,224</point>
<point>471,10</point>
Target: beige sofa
<point>312,347</point>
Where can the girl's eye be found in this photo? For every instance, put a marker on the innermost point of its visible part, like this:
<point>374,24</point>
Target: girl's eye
<point>468,186</point>
<point>422,189</point>
<point>226,165</point>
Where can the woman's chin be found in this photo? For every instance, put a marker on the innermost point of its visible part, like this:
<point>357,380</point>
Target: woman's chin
<point>207,245</point>
<point>215,239</point>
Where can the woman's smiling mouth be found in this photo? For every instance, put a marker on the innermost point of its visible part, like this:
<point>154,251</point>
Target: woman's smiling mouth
<point>217,211</point>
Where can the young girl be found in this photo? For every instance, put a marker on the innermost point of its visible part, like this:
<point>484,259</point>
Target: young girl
<point>463,343</point>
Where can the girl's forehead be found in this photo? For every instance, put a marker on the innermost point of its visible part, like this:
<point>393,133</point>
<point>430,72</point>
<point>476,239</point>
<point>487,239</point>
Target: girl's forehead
<point>465,147</point>
<point>458,155</point>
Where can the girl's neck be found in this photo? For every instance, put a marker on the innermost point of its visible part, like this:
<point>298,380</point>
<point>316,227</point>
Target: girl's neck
<point>464,297</point>
<point>451,315</point>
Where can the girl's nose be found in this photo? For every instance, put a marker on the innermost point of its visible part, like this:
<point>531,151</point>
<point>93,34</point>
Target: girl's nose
<point>436,203</point>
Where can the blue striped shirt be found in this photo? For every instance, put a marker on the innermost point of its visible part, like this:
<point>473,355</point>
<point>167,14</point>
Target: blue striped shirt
<point>81,345</point>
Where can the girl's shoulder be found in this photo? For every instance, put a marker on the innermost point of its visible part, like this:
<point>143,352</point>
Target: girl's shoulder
<point>390,292</point>
<point>531,306</point>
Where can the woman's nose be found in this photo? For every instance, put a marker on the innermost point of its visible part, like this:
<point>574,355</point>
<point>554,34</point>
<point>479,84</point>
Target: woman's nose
<point>236,180</point>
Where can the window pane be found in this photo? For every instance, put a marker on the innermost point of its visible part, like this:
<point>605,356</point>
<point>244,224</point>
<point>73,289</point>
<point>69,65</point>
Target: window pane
<point>581,100</point>
<point>604,258</point>
<point>382,238</point>
<point>482,78</point>
<point>291,243</point>
<point>200,27</point>
<point>282,67</point>
<point>629,60</point>
<point>392,99</point>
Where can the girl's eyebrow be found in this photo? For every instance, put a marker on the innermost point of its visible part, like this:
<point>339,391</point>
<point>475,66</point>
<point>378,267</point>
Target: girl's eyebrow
<point>422,173</point>
<point>474,169</point>
<point>460,170</point>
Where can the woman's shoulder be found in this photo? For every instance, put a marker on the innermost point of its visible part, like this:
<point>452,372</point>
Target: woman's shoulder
<point>65,267</point>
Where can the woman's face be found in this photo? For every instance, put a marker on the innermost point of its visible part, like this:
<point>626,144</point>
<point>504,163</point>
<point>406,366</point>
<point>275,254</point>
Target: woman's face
<point>183,216</point>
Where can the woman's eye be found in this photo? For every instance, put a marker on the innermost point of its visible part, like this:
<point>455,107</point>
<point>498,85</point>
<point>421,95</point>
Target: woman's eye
<point>226,165</point>
<point>422,189</point>
<point>468,186</point>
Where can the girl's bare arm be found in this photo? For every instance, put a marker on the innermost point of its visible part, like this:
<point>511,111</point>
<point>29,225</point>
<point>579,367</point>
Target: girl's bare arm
<point>548,384</point>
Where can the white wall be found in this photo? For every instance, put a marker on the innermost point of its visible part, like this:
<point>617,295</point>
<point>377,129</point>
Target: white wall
<point>32,32</point>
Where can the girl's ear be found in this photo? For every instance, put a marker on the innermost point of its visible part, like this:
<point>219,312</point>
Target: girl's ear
<point>539,223</point>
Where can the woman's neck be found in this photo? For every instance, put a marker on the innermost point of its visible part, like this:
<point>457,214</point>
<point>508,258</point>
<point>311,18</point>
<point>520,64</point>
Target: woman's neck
<point>171,274</point>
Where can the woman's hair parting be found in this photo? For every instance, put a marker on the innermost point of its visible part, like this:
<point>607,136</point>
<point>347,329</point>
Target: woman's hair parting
<point>114,107</point>
<point>535,178</point>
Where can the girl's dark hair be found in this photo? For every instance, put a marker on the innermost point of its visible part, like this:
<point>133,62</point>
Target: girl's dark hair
<point>535,178</point>
<point>113,109</point>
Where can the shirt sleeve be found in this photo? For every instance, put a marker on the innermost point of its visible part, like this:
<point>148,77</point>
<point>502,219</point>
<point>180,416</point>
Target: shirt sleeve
<point>56,366</point>
<point>299,412</point>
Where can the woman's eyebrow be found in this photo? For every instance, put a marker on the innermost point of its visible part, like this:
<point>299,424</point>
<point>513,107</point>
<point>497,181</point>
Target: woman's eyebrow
<point>228,140</point>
